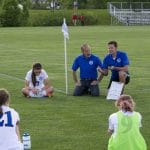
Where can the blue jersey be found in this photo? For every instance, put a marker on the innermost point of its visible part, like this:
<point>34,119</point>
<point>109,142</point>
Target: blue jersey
<point>121,60</point>
<point>88,66</point>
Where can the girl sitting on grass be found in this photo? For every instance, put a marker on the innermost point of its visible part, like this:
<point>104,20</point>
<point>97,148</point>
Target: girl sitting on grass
<point>37,83</point>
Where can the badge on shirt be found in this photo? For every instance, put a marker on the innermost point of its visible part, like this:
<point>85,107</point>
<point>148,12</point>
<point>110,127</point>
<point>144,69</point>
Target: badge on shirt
<point>118,60</point>
<point>40,78</point>
<point>90,62</point>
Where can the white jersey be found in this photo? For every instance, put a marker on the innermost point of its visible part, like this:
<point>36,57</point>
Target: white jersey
<point>8,137</point>
<point>113,121</point>
<point>39,79</point>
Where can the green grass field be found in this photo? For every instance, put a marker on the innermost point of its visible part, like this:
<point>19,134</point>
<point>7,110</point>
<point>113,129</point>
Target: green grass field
<point>67,122</point>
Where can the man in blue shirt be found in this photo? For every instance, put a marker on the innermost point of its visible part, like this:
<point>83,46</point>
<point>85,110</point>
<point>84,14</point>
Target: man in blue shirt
<point>88,64</point>
<point>117,62</point>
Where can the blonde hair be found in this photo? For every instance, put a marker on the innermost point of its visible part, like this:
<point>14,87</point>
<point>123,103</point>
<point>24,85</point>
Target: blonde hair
<point>85,46</point>
<point>126,103</point>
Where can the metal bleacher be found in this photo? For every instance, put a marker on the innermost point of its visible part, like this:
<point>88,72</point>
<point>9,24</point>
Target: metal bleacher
<point>136,13</point>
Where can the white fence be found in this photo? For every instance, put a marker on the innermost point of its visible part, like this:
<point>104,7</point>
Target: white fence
<point>130,14</point>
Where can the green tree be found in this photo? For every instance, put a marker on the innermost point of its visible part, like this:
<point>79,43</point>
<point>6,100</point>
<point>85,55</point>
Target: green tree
<point>14,13</point>
<point>97,4</point>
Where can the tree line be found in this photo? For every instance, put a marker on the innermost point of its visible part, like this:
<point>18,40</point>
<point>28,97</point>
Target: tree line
<point>93,4</point>
<point>16,12</point>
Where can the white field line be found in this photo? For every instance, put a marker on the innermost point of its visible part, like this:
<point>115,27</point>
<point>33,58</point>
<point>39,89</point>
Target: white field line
<point>61,91</point>
<point>22,80</point>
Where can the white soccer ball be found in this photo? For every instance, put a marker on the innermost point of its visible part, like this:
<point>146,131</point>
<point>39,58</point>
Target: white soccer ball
<point>20,6</point>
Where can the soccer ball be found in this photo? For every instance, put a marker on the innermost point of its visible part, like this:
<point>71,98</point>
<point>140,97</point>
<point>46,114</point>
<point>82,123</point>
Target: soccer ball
<point>20,6</point>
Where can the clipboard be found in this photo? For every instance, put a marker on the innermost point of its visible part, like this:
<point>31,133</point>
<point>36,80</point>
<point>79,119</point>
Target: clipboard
<point>115,90</point>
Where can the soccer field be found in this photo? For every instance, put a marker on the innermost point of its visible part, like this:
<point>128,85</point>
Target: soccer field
<point>67,122</point>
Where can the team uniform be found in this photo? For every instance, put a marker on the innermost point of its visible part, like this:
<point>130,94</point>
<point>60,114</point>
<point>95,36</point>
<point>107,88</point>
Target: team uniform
<point>88,73</point>
<point>39,83</point>
<point>126,134</point>
<point>8,137</point>
<point>121,60</point>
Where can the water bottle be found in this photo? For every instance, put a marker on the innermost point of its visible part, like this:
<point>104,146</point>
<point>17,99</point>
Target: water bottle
<point>26,141</point>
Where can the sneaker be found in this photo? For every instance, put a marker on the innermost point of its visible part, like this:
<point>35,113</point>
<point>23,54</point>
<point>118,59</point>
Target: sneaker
<point>50,95</point>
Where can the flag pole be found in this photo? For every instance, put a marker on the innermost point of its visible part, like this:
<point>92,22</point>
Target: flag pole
<point>66,36</point>
<point>66,68</point>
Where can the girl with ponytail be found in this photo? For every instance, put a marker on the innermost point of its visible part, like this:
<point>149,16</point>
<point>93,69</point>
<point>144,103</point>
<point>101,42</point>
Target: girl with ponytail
<point>37,83</point>
<point>9,124</point>
<point>124,126</point>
